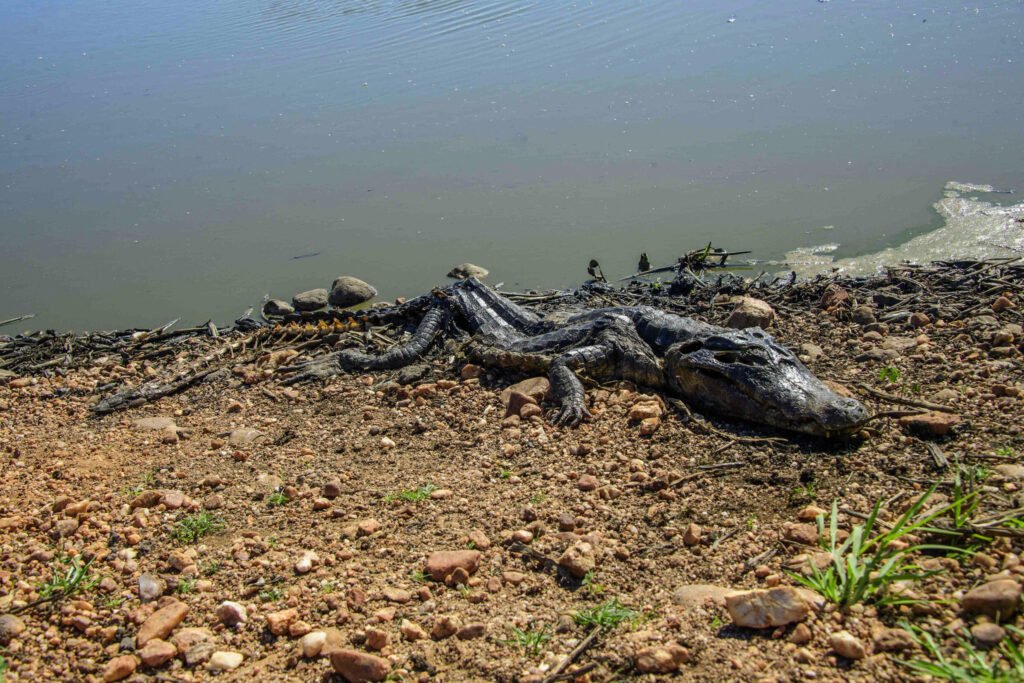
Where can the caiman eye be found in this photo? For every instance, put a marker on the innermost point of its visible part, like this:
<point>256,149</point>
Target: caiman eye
<point>747,358</point>
<point>691,346</point>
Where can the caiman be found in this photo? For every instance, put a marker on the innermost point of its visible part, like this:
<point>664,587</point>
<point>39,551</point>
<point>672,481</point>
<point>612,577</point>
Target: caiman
<point>737,373</point>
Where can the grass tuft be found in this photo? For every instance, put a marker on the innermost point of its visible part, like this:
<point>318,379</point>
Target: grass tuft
<point>70,577</point>
<point>869,562</point>
<point>190,529</point>
<point>276,499</point>
<point>1005,664</point>
<point>607,615</point>
<point>412,495</point>
<point>530,641</point>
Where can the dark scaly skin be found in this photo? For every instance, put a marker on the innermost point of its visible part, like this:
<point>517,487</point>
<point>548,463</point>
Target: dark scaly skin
<point>742,373</point>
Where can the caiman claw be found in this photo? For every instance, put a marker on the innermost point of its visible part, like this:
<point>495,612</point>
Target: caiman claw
<point>570,414</point>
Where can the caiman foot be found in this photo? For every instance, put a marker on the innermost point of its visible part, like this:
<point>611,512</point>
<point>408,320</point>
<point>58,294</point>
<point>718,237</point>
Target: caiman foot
<point>570,414</point>
<point>319,369</point>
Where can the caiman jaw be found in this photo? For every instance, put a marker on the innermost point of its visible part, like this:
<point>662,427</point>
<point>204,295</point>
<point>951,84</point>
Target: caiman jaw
<point>745,374</point>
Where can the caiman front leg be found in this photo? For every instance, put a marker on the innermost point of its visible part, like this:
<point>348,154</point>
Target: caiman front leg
<point>566,387</point>
<point>397,357</point>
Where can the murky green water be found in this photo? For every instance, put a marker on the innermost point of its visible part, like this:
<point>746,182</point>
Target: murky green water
<point>165,159</point>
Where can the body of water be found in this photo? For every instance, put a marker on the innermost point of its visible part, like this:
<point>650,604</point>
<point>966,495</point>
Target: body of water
<point>169,159</point>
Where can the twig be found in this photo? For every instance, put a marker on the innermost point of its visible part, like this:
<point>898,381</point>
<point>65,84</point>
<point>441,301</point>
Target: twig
<point>18,319</point>
<point>556,673</point>
<point>928,405</point>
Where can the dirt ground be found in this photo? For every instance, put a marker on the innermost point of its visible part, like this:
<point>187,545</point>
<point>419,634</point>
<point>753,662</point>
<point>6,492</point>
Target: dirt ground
<point>324,505</point>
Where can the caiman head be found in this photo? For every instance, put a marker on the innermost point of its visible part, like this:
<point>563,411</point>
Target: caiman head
<point>745,374</point>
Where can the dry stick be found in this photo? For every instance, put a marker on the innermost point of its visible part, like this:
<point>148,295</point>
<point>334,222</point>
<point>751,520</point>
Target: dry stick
<point>941,461</point>
<point>18,319</point>
<point>760,559</point>
<point>580,649</point>
<point>904,401</point>
<point>586,668</point>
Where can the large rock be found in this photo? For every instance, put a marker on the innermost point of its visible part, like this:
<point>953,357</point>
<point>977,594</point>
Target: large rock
<point>156,424</point>
<point>700,594</point>
<point>468,270</point>
<point>313,300</point>
<point>442,563</point>
<point>10,628</point>
<point>350,291</point>
<point>934,423</point>
<point>358,667</point>
<point>276,307</point>
<point>767,608</point>
<point>750,312</point>
<point>119,668</point>
<point>578,559</point>
<point>847,645</point>
<point>535,387</point>
<point>161,622</point>
<point>998,599</point>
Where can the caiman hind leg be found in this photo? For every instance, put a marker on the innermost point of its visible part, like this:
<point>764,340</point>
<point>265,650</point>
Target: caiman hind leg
<point>397,357</point>
<point>566,387</point>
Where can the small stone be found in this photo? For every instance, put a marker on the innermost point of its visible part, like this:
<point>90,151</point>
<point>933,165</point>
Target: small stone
<point>479,539</point>
<point>169,435</point>
<point>471,371</point>
<point>1002,303</point>
<point>376,639</point>
<point>297,629</point>
<point>312,643</point>
<point>805,534</point>
<point>892,640</point>
<point>578,559</point>
<point>661,660</point>
<point>278,622</point>
<point>214,501</point>
<point>997,599</point>
<point>645,410</point>
<point>920,320</point>
<point>845,644</point>
<point>359,667</point>
<point>810,513</point>
<point>332,489</point>
<point>442,563</point>
<point>244,436</point>
<point>412,632</point>
<point>311,300</point>
<point>516,402</point>
<point>119,668</point>
<point>930,424</point>
<point>306,561</point>
<point>692,534</point>
<point>162,622</point>
<point>199,653</point>
<point>535,387</point>
<point>225,661</point>
<point>522,536</point>
<point>513,578</point>
<point>444,627</point>
<point>367,527</point>
<point>277,307</point>
<point>566,522</point>
<point>399,595</point>
<point>464,271</point>
<point>232,613</point>
<point>863,315</point>
<point>471,631</point>
<point>587,482</point>
<point>350,291</point>
<point>387,443</point>
<point>801,635</point>
<point>987,634</point>
<point>11,627</point>
<point>700,594</point>
<point>766,608</point>
<point>184,639</point>
<point>750,312</point>
<point>157,653</point>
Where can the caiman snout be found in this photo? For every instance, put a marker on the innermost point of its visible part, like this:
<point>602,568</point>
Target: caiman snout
<point>745,374</point>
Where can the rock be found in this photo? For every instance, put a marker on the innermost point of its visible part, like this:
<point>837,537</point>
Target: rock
<point>892,640</point>
<point>587,482</point>
<point>578,559</point>
<point>535,387</point>
<point>442,563</point>
<point>358,667</point>
<point>276,307</point>
<point>444,627</point>
<point>223,660</point>
<point>920,320</point>
<point>987,634</point>
<point>1010,471</point>
<point>930,424</point>
<point>862,315</point>
<point>834,297</point>
<point>156,424</point>
<point>312,643</point>
<point>645,410</point>
<point>692,534</point>
<point>1002,303</point>
<point>399,595</point>
<point>765,608</point>
<point>661,660</point>
<point>516,402</point>
<point>350,291</point>
<point>297,629</point>
<point>801,634</point>
<point>332,489</point>
<point>699,594</point>
<point>243,436</point>
<point>173,500</point>
<point>10,628</point>
<point>199,653</point>
<point>157,653</point>
<point>151,587</point>
<point>810,514</point>
<point>412,632</point>
<point>811,352</point>
<point>306,561</point>
<point>464,271</point>
<point>750,312</point>
<point>161,623</point>
<point>997,599</point>
<point>845,644</point>
<point>232,613</point>
<point>312,300</point>
<point>471,371</point>
<point>119,668</point>
<point>185,638</point>
<point>278,622</point>
<point>367,527</point>
<point>805,534</point>
<point>413,373</point>
<point>214,501</point>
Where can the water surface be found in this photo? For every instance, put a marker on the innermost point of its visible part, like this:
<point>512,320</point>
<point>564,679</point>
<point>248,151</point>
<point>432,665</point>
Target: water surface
<point>164,159</point>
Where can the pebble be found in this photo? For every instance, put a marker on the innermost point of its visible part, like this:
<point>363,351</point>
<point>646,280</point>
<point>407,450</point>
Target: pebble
<point>765,608</point>
<point>312,643</point>
<point>387,443</point>
<point>157,652</point>
<point>535,387</point>
<point>150,587</point>
<point>478,538</point>
<point>700,594</point>
<point>359,667</point>
<point>199,653</point>
<point>350,291</point>
<point>11,627</point>
<point>997,599</point>
<point>661,659</point>
<point>232,613</point>
<point>750,312</point>
<point>801,635</point>
<point>412,632</point>
<point>578,559</point>
<point>278,622</point>
<point>332,489</point>
<point>464,271</point>
<point>223,660</point>
<point>376,639</point>
<point>645,410</point>
<point>120,668</point>
<point>399,595</point>
<point>692,535</point>
<point>305,563</point>
<point>162,622</point>
<point>930,424</point>
<point>847,645</point>
<point>810,513</point>
<point>471,631</point>
<point>587,482</point>
<point>442,563</point>
<point>987,634</point>
<point>444,627</point>
<point>516,402</point>
<point>311,300</point>
<point>892,640</point>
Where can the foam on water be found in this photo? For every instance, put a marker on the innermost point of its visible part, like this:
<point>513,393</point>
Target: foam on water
<point>973,228</point>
